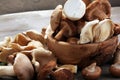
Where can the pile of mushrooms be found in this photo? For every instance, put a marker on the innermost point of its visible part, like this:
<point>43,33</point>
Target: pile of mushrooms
<point>82,33</point>
<point>80,27</point>
<point>27,56</point>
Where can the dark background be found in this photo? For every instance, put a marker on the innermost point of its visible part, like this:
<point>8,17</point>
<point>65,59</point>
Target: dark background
<point>12,6</point>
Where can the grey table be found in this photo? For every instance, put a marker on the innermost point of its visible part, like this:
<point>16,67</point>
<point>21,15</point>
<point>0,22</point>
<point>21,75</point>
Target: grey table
<point>11,24</point>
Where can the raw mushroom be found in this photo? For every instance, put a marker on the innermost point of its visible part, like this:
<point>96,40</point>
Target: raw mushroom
<point>117,29</point>
<point>86,35</point>
<point>5,43</point>
<point>56,17</point>
<point>115,68</point>
<point>98,9</point>
<point>45,71</point>
<point>103,31</point>
<point>72,68</point>
<point>68,29</point>
<point>91,72</point>
<point>41,57</point>
<point>34,35</point>
<point>62,74</point>
<point>74,9</point>
<point>22,68</point>
<point>22,39</point>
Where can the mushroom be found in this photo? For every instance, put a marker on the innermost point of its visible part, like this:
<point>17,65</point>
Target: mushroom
<point>86,35</point>
<point>68,29</point>
<point>74,9</point>
<point>117,29</point>
<point>41,57</point>
<point>62,74</point>
<point>22,68</point>
<point>98,9</point>
<point>56,17</point>
<point>92,72</point>
<point>72,68</point>
<point>34,35</point>
<point>6,41</point>
<point>21,39</point>
<point>115,68</point>
<point>103,31</point>
<point>45,71</point>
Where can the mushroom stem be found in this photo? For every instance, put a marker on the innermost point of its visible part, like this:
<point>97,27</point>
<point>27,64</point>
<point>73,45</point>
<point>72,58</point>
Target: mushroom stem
<point>7,71</point>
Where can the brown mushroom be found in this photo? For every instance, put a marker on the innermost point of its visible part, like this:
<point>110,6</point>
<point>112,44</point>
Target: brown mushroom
<point>115,68</point>
<point>56,17</point>
<point>87,2</point>
<point>34,35</point>
<point>98,9</point>
<point>62,74</point>
<point>22,68</point>
<point>41,57</point>
<point>45,71</point>
<point>117,29</point>
<point>92,72</point>
<point>21,39</point>
<point>68,29</point>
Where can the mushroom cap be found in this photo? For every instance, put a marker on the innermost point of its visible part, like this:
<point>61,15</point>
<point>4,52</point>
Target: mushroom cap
<point>98,9</point>
<point>23,67</point>
<point>82,54</point>
<point>91,72</point>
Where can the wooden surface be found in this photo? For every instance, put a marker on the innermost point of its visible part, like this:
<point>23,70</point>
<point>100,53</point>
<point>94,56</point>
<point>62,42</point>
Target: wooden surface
<point>12,24</point>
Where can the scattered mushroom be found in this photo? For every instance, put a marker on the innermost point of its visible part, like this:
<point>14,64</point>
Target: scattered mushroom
<point>46,70</point>
<point>74,9</point>
<point>22,39</point>
<point>115,68</point>
<point>41,57</point>
<point>34,35</point>
<point>92,72</point>
<point>72,68</point>
<point>22,68</point>
<point>62,74</point>
<point>98,9</point>
<point>86,35</point>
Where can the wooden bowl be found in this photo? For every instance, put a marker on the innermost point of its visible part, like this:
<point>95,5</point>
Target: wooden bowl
<point>83,54</point>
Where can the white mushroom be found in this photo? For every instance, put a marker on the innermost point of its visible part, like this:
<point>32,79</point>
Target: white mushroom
<point>103,30</point>
<point>74,9</point>
<point>41,57</point>
<point>22,68</point>
<point>86,35</point>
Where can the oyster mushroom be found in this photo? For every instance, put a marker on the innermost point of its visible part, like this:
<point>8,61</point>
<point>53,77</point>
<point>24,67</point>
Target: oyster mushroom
<point>74,9</point>
<point>34,35</point>
<point>41,57</point>
<point>21,39</point>
<point>98,9</point>
<point>86,35</point>
<point>103,31</point>
<point>22,68</point>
